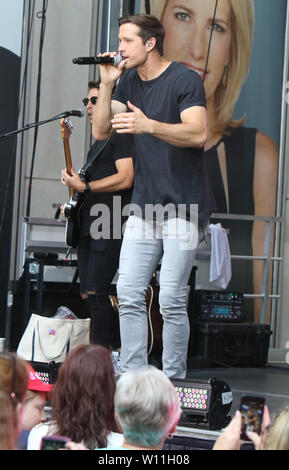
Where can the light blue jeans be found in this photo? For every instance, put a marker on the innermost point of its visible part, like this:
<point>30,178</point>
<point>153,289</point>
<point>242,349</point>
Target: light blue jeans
<point>145,243</point>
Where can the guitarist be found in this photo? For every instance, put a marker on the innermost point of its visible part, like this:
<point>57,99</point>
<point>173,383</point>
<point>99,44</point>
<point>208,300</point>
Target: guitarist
<point>111,174</point>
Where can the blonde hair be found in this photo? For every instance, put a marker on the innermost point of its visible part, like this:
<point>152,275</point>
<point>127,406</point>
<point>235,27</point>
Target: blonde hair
<point>13,386</point>
<point>278,435</point>
<point>242,27</point>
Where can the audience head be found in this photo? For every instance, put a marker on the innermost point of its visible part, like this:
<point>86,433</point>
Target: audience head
<point>34,401</point>
<point>82,397</point>
<point>146,406</point>
<point>278,434</point>
<point>13,386</point>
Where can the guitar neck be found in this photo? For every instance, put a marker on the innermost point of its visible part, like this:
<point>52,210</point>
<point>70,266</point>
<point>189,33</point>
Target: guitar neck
<point>68,162</point>
<point>66,129</point>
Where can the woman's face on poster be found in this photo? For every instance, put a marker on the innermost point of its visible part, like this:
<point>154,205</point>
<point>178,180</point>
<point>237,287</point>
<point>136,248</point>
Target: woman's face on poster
<point>188,25</point>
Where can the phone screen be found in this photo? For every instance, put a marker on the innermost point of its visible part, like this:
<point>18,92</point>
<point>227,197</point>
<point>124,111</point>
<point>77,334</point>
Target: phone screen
<point>53,442</point>
<point>252,409</point>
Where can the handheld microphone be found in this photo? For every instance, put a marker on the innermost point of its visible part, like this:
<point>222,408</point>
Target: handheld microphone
<point>75,112</point>
<point>107,60</point>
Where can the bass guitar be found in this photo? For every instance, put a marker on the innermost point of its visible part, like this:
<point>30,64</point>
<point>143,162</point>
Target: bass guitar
<point>73,207</point>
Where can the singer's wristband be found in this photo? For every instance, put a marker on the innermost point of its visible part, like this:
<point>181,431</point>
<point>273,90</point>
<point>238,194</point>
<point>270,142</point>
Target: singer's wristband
<point>87,189</point>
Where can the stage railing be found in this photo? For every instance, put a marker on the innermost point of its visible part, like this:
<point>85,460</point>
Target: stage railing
<point>266,293</point>
<point>48,235</point>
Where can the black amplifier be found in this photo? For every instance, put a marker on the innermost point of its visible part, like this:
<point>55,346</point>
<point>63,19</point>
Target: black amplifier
<point>221,306</point>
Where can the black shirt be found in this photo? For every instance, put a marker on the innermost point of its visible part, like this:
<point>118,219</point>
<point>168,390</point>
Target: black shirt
<point>240,147</point>
<point>165,174</point>
<point>118,147</point>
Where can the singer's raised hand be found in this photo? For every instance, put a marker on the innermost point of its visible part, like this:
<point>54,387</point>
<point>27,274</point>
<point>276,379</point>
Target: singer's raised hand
<point>134,122</point>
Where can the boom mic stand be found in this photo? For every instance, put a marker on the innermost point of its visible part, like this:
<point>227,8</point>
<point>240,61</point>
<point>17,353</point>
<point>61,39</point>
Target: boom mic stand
<point>35,124</point>
<point>10,282</point>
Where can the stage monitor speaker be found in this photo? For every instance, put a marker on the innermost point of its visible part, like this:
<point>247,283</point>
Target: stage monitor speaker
<point>204,404</point>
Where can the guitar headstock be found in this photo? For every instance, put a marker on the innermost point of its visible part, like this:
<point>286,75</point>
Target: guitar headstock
<point>66,126</point>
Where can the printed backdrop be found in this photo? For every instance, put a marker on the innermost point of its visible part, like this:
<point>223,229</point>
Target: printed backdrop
<point>237,46</point>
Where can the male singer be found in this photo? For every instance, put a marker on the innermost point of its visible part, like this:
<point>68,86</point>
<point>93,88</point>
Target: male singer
<point>163,105</point>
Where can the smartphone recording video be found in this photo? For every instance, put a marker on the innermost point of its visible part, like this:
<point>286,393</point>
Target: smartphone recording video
<point>53,442</point>
<point>252,409</point>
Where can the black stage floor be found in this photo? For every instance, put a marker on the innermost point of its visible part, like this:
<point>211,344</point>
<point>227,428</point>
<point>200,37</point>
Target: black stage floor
<point>270,381</point>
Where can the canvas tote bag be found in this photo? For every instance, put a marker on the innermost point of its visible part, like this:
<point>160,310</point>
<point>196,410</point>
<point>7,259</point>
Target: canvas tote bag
<point>50,339</point>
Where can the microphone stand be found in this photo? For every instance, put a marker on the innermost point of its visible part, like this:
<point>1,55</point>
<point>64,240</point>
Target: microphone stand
<point>10,283</point>
<point>34,124</point>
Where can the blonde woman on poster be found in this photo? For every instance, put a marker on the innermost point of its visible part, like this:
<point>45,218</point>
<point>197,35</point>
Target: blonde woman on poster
<point>242,162</point>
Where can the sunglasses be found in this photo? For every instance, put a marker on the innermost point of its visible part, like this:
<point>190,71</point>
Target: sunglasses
<point>93,100</point>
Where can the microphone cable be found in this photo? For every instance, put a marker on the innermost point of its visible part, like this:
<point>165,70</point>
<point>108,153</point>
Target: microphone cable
<point>148,12</point>
<point>210,41</point>
<point>148,7</point>
<point>42,16</point>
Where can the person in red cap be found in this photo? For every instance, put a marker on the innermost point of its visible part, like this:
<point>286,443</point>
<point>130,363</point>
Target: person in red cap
<point>34,403</point>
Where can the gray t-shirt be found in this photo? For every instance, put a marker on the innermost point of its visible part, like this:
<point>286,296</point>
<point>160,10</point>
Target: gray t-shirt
<point>165,174</point>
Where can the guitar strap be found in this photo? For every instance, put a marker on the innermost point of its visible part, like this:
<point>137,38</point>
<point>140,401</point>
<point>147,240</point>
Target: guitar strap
<point>99,148</point>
